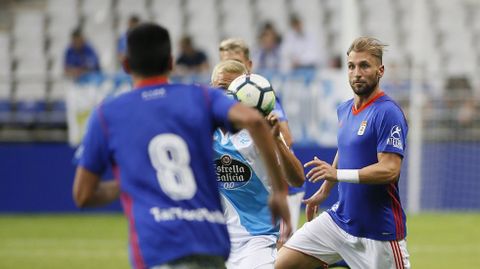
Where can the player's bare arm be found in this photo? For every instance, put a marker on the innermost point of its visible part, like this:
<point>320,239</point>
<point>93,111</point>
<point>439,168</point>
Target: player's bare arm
<point>89,190</point>
<point>244,117</point>
<point>292,166</point>
<point>386,170</point>
<point>312,203</point>
<point>287,135</point>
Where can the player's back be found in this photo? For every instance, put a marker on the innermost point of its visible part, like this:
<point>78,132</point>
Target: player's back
<point>162,155</point>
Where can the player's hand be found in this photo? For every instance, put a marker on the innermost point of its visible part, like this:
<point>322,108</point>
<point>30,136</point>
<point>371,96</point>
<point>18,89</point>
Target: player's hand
<point>279,209</point>
<point>272,120</point>
<point>321,170</point>
<point>311,204</point>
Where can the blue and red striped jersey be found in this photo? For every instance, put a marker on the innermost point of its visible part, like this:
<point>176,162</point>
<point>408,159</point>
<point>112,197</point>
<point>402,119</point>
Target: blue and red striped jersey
<point>363,210</point>
<point>159,140</point>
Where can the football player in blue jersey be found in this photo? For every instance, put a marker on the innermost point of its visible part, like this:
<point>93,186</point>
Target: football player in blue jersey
<point>245,185</point>
<point>236,49</point>
<point>158,138</point>
<point>366,227</point>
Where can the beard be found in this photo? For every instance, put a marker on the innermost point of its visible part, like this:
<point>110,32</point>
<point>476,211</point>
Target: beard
<point>365,88</point>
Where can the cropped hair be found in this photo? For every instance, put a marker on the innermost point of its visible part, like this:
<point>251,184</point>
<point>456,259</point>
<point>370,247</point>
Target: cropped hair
<point>228,66</point>
<point>149,49</point>
<point>370,45</point>
<point>235,44</point>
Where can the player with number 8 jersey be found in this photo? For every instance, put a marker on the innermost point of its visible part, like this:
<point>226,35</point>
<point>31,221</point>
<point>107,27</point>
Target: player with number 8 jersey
<point>158,138</point>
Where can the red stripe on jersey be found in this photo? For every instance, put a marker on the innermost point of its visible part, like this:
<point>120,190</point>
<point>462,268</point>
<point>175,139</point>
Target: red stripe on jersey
<point>207,97</point>
<point>356,111</point>
<point>151,81</point>
<point>397,212</point>
<point>103,121</point>
<point>137,258</point>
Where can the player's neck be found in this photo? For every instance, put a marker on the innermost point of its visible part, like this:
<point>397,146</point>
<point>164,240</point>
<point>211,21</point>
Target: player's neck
<point>141,81</point>
<point>360,101</point>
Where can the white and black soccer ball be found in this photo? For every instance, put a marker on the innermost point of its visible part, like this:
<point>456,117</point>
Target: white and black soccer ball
<point>254,91</point>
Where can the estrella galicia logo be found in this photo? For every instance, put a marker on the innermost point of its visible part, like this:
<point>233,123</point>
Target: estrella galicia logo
<point>231,173</point>
<point>395,138</point>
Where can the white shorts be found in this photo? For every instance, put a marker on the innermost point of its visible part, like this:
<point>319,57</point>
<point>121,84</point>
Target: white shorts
<point>323,239</point>
<point>257,253</point>
<point>294,204</point>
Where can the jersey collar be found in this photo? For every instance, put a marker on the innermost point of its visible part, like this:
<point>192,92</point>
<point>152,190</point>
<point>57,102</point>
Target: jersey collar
<point>151,81</point>
<point>356,111</point>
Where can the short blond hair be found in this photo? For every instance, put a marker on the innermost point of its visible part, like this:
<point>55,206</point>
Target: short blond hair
<point>236,45</point>
<point>370,45</point>
<point>228,66</point>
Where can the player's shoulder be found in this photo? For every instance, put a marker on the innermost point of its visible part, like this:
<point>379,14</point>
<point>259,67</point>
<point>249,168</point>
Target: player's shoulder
<point>345,105</point>
<point>386,107</point>
<point>386,103</point>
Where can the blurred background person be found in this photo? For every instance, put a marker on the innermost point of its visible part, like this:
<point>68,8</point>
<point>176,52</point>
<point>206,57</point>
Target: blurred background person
<point>133,21</point>
<point>191,61</point>
<point>80,57</point>
<point>299,50</point>
<point>267,56</point>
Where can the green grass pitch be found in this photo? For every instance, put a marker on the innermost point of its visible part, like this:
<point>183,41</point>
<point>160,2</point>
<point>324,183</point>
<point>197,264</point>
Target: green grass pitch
<point>435,240</point>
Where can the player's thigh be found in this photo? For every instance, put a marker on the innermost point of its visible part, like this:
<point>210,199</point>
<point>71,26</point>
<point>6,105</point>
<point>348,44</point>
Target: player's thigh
<point>293,259</point>
<point>263,258</point>
<point>318,239</point>
<point>374,254</point>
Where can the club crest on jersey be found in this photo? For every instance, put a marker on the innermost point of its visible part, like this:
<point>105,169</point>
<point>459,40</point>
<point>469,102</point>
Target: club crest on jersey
<point>395,138</point>
<point>231,173</point>
<point>361,129</point>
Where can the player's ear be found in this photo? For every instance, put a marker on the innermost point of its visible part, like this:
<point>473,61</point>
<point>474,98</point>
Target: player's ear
<point>250,65</point>
<point>170,63</point>
<point>126,65</point>
<point>381,70</point>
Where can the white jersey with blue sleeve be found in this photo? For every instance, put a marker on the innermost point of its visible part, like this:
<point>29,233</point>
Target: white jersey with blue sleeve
<point>244,188</point>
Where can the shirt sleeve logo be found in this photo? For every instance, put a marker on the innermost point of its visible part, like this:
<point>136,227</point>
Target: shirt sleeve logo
<point>395,138</point>
<point>361,129</point>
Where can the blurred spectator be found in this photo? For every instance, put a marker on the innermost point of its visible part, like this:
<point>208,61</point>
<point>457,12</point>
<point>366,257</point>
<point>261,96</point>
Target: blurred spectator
<point>80,57</point>
<point>191,60</point>
<point>133,21</point>
<point>459,97</point>
<point>267,56</point>
<point>335,62</point>
<point>299,49</point>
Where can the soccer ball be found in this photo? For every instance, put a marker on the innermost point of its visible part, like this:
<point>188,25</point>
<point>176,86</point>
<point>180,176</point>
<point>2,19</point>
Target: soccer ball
<point>254,91</point>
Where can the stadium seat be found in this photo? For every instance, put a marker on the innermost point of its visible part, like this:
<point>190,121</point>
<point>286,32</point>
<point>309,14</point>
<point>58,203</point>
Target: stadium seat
<point>30,102</point>
<point>64,7</point>
<point>96,10</point>
<point>238,21</point>
<point>311,14</point>
<point>6,105</point>
<point>170,14</point>
<point>5,57</point>
<point>31,68</point>
<point>274,11</point>
<point>28,24</point>
<point>125,8</point>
